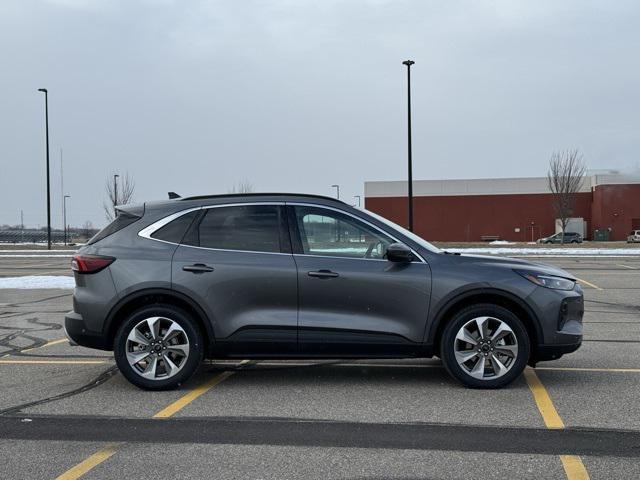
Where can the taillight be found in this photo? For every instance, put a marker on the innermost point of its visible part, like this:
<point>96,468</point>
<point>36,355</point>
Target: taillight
<point>90,263</point>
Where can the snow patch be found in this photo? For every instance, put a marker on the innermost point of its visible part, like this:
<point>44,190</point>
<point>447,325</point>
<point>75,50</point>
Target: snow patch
<point>501,242</point>
<point>35,281</point>
<point>600,252</point>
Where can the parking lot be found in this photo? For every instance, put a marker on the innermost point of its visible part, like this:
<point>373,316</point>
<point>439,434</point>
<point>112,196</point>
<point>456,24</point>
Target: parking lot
<point>67,411</point>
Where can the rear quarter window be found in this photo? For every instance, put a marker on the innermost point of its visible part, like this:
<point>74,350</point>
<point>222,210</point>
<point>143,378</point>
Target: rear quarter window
<point>174,231</point>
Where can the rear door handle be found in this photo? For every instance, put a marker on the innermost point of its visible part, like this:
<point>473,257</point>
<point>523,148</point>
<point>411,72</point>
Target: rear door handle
<point>323,274</point>
<point>197,268</point>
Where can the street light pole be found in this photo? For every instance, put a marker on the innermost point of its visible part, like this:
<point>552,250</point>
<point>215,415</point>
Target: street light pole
<point>46,119</point>
<point>408,63</point>
<point>64,216</point>
<point>115,194</point>
<point>337,187</point>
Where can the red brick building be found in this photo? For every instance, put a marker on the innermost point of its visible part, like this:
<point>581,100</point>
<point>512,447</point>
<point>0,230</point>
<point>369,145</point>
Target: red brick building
<point>517,209</point>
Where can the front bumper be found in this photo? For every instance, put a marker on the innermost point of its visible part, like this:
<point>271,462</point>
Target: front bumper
<point>553,352</point>
<point>78,334</point>
<point>563,327</point>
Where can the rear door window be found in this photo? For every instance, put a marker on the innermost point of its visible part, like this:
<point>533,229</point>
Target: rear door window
<point>254,228</point>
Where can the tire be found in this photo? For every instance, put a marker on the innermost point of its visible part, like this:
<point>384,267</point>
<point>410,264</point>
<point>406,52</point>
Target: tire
<point>452,348</point>
<point>175,358</point>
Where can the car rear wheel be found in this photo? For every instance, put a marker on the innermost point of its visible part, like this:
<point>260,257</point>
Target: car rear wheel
<point>158,347</point>
<point>485,346</point>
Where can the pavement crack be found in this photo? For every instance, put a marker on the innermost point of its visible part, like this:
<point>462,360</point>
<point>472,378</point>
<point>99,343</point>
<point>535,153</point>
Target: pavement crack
<point>99,380</point>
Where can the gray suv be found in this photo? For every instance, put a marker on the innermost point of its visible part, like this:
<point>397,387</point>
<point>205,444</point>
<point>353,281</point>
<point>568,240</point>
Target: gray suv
<point>301,276</point>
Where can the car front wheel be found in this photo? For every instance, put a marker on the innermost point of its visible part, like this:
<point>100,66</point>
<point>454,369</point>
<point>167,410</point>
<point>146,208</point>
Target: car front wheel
<point>485,346</point>
<point>158,347</point>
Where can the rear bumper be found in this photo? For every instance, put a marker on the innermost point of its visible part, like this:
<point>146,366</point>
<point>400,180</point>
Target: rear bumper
<point>78,334</point>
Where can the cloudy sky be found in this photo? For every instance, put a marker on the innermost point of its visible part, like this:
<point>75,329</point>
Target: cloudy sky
<point>197,96</point>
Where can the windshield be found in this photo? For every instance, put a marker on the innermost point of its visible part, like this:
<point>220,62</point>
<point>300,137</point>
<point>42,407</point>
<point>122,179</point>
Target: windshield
<point>419,240</point>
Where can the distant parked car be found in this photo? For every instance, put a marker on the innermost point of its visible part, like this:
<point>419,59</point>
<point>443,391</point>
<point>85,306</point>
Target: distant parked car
<point>569,237</point>
<point>634,236</point>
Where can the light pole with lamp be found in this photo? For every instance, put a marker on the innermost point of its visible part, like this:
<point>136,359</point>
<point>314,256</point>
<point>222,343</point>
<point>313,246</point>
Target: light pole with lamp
<point>46,120</point>
<point>337,187</point>
<point>408,63</point>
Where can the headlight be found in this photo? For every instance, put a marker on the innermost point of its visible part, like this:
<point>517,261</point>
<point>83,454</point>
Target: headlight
<point>548,281</point>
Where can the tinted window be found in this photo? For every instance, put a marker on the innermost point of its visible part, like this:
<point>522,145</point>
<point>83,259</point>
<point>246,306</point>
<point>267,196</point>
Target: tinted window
<point>251,228</point>
<point>122,220</point>
<point>330,233</point>
<point>175,230</point>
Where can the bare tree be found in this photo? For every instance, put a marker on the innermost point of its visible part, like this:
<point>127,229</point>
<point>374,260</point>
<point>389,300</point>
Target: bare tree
<point>566,177</point>
<point>87,229</point>
<point>242,187</point>
<point>119,190</point>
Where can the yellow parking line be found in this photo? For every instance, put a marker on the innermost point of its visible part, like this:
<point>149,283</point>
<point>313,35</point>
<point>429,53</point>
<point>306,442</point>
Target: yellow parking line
<point>48,344</point>
<point>52,342</point>
<point>589,284</point>
<point>53,362</point>
<point>297,364</point>
<point>108,451</point>
<point>191,396</point>
<point>580,369</point>
<point>574,468</point>
<point>89,462</point>
<point>543,400</point>
<point>626,266</point>
<point>572,464</point>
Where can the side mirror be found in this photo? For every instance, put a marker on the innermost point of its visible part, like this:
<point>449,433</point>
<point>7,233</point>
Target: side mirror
<point>399,252</point>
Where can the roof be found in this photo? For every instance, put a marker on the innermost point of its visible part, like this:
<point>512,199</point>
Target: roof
<point>486,186</point>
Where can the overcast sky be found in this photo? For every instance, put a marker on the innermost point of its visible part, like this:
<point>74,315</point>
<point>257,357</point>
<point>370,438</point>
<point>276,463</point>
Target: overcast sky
<point>197,96</point>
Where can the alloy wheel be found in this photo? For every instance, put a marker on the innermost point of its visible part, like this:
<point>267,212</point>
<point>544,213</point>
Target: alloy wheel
<point>486,348</point>
<point>157,348</point>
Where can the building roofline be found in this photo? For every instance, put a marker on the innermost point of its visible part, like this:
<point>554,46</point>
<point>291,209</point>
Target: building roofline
<point>486,186</point>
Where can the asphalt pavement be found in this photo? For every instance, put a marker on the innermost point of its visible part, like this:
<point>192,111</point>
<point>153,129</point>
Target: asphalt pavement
<point>67,411</point>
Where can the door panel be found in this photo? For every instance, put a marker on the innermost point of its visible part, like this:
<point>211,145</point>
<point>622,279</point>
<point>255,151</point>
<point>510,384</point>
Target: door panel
<point>351,305</point>
<point>371,307</point>
<point>250,297</point>
<point>236,266</point>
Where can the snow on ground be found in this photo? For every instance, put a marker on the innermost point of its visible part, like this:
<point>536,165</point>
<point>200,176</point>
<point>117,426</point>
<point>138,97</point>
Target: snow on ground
<point>33,281</point>
<point>618,252</point>
<point>501,242</point>
<point>35,250</point>
<point>20,255</point>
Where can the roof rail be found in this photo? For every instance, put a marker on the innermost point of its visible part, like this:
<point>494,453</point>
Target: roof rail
<point>268,194</point>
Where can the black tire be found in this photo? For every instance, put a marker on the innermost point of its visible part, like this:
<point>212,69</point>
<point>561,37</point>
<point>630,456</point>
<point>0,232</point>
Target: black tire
<point>447,342</point>
<point>192,331</point>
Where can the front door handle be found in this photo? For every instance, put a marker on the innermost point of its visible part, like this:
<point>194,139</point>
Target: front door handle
<point>197,268</point>
<point>323,274</point>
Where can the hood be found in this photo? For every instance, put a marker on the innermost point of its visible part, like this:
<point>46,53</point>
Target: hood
<point>512,263</point>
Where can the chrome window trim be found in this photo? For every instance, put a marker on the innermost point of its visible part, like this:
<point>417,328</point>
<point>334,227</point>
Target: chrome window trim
<point>158,224</point>
<point>151,229</point>
<point>302,204</point>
